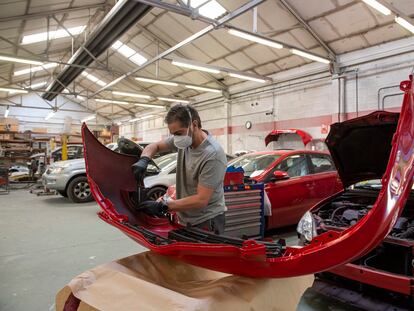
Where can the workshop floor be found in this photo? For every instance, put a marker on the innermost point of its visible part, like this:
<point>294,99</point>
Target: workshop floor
<point>46,241</point>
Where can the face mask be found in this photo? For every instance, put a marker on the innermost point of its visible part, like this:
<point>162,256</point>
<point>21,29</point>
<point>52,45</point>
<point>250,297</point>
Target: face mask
<point>184,141</point>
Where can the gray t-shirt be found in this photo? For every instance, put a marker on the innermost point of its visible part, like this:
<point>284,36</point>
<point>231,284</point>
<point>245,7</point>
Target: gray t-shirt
<point>204,165</point>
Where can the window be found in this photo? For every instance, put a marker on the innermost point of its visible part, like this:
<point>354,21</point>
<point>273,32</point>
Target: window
<point>254,164</point>
<point>295,165</point>
<point>321,163</point>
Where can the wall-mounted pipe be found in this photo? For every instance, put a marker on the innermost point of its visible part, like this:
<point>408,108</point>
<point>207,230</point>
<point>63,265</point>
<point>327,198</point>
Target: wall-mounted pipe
<point>379,93</point>
<point>389,95</point>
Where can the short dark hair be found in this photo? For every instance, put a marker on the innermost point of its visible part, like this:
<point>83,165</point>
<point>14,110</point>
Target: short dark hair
<point>180,113</point>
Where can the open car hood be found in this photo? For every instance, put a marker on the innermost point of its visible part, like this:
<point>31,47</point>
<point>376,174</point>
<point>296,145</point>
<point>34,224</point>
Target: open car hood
<point>275,134</point>
<point>361,147</point>
<point>112,183</point>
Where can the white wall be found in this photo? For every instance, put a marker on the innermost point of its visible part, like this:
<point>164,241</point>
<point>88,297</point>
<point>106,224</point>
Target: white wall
<point>307,103</point>
<point>33,111</point>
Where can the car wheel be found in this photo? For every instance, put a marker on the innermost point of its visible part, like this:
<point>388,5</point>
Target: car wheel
<point>63,193</point>
<point>79,191</point>
<point>155,193</point>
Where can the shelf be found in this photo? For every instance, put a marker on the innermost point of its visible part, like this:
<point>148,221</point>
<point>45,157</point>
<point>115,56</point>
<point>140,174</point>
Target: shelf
<point>14,141</point>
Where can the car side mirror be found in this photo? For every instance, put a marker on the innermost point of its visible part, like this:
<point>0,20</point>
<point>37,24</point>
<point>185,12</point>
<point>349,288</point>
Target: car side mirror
<point>280,175</point>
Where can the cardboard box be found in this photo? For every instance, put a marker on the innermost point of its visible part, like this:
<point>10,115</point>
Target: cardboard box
<point>151,282</point>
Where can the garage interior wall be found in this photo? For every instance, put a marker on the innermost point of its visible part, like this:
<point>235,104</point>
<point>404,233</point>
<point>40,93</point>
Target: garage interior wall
<point>31,115</point>
<point>310,103</point>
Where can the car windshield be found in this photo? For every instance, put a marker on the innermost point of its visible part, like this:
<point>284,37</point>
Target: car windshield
<point>254,164</point>
<point>165,163</point>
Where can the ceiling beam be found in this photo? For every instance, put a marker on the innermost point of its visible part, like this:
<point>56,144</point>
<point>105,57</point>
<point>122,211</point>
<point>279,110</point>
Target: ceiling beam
<point>47,13</point>
<point>295,14</point>
<point>232,15</point>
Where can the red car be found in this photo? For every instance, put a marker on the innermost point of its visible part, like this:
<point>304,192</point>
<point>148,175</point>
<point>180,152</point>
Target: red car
<point>295,180</point>
<point>113,185</point>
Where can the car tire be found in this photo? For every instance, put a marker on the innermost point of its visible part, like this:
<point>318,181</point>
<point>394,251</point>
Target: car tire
<point>156,192</point>
<point>79,191</point>
<point>62,193</point>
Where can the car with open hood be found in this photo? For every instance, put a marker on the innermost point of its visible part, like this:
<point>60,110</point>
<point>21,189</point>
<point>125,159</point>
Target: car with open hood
<point>361,149</point>
<point>117,195</point>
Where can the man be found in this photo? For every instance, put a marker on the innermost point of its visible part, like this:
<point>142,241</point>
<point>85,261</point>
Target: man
<point>201,165</point>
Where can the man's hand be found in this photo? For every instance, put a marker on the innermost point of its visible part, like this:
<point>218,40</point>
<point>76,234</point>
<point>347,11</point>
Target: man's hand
<point>140,167</point>
<point>153,208</point>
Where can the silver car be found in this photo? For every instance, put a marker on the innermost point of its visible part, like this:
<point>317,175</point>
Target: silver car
<point>69,178</point>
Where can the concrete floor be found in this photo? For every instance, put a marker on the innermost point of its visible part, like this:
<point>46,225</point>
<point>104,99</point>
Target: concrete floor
<point>46,241</point>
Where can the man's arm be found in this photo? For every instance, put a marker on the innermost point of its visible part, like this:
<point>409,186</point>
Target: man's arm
<point>152,149</point>
<point>197,201</point>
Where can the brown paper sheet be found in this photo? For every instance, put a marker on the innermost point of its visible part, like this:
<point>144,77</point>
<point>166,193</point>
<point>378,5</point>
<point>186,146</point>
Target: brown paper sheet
<point>151,282</point>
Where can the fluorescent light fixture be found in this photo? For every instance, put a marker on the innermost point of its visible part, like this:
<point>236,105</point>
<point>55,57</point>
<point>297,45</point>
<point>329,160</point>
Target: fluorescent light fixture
<point>88,118</point>
<point>110,101</point>
<point>253,38</point>
<point>310,56</point>
<point>80,97</point>
<point>93,78</point>
<point>235,75</point>
<point>156,81</point>
<point>34,69</point>
<point>404,23</point>
<point>141,118</point>
<point>118,123</point>
<point>130,94</point>
<point>37,85</point>
<point>210,9</point>
<point>174,100</point>
<point>201,88</point>
<point>150,106</point>
<point>6,113</point>
<point>50,115</point>
<point>56,34</point>
<point>196,67</point>
<point>378,6</point>
<point>13,91</point>
<point>19,60</point>
<point>129,53</point>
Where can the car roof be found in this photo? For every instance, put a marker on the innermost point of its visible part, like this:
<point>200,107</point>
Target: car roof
<point>288,151</point>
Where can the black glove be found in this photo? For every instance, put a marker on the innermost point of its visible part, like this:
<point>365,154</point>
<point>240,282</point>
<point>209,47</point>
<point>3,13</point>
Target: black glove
<point>153,208</point>
<point>140,167</point>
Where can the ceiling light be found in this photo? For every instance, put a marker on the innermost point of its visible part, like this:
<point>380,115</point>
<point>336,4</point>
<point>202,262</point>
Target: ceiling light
<point>310,56</point>
<point>129,53</point>
<point>56,34</point>
<point>200,88</point>
<point>150,106</point>
<point>130,94</point>
<point>50,115</point>
<point>34,69</point>
<point>404,23</point>
<point>6,113</point>
<point>196,67</point>
<point>174,100</point>
<point>110,101</point>
<point>235,75</point>
<point>118,123</point>
<point>156,81</point>
<point>38,85</point>
<point>141,118</point>
<point>378,6</point>
<point>254,38</point>
<point>80,97</point>
<point>88,118</point>
<point>19,60</point>
<point>93,78</point>
<point>13,91</point>
<point>210,9</point>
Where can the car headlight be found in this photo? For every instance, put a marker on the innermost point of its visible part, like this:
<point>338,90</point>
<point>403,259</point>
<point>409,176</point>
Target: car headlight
<point>307,226</point>
<point>57,170</point>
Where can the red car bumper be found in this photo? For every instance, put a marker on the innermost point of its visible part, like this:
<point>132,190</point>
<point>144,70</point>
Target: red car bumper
<point>112,182</point>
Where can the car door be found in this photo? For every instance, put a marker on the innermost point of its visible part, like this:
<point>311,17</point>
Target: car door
<point>324,178</point>
<point>289,197</point>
